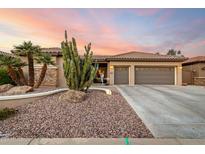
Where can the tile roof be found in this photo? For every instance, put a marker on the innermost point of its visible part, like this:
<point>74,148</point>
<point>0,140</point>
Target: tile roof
<point>193,60</point>
<point>57,52</point>
<point>129,56</point>
<point>143,56</point>
<point>53,51</point>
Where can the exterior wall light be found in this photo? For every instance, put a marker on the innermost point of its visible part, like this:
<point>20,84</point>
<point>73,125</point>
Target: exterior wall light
<point>111,67</point>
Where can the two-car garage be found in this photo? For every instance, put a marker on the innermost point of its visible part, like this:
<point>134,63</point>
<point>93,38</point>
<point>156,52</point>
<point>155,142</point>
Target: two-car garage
<point>145,75</point>
<point>145,68</point>
<point>154,75</point>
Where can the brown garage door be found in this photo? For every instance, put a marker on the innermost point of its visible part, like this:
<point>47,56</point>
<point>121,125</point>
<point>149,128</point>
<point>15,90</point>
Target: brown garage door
<point>154,75</point>
<point>121,75</point>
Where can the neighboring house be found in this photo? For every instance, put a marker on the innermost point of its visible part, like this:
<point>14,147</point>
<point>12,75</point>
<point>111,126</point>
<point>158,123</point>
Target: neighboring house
<point>194,71</point>
<point>128,68</point>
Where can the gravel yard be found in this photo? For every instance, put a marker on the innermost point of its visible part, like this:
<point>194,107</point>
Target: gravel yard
<point>99,115</point>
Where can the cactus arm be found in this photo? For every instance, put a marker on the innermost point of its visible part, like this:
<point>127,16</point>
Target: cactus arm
<point>79,73</point>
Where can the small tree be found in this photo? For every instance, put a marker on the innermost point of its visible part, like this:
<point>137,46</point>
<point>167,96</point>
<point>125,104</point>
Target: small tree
<point>29,50</point>
<point>174,52</point>
<point>13,65</point>
<point>4,77</point>
<point>18,65</point>
<point>45,59</point>
<point>79,73</point>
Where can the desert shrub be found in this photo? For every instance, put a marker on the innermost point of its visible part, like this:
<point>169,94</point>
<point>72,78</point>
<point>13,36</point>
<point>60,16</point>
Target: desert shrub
<point>4,77</point>
<point>6,113</point>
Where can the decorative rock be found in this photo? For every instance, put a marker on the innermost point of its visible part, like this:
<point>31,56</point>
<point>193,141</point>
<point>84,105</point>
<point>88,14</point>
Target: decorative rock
<point>5,87</point>
<point>99,115</point>
<point>73,96</point>
<point>18,90</point>
<point>3,135</point>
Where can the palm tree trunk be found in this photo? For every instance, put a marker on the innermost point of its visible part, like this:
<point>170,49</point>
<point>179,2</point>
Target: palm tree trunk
<point>42,76</point>
<point>23,80</point>
<point>31,70</point>
<point>13,75</point>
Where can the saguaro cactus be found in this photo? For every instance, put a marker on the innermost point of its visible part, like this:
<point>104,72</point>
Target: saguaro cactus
<point>79,72</point>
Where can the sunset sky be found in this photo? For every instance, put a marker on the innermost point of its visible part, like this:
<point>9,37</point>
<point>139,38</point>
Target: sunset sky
<point>111,31</point>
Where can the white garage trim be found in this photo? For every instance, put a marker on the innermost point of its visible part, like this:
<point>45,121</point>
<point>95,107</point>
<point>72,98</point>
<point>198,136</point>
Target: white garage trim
<point>175,75</point>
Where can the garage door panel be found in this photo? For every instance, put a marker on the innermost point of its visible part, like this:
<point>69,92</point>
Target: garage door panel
<point>152,75</point>
<point>121,75</point>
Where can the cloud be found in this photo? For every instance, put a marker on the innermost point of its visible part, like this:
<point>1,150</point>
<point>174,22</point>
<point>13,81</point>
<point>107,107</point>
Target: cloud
<point>111,31</point>
<point>165,16</point>
<point>146,12</point>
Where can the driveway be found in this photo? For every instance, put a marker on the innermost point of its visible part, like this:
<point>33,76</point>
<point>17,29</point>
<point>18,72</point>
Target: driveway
<point>169,111</point>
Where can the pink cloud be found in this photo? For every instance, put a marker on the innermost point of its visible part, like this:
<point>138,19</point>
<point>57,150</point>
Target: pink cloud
<point>165,16</point>
<point>198,44</point>
<point>46,28</point>
<point>43,24</point>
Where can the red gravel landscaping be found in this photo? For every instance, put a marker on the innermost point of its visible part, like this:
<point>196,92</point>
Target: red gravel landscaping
<point>99,115</point>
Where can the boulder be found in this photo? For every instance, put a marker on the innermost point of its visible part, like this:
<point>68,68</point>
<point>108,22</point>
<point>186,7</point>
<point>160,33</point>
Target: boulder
<point>5,87</point>
<point>18,90</point>
<point>73,96</point>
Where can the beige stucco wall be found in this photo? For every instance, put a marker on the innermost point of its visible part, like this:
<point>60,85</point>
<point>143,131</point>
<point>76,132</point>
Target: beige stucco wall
<point>61,79</point>
<point>197,68</point>
<point>194,68</point>
<point>201,71</point>
<point>177,65</point>
<point>198,74</point>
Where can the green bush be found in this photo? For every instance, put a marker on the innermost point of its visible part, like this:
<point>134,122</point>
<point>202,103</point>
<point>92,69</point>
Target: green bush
<point>6,113</point>
<point>4,78</point>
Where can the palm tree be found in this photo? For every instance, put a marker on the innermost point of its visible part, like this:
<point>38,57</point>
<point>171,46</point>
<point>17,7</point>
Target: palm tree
<point>45,59</point>
<point>18,65</point>
<point>29,50</point>
<point>10,63</point>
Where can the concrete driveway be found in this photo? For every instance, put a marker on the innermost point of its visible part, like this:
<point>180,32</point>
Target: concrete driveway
<point>169,111</point>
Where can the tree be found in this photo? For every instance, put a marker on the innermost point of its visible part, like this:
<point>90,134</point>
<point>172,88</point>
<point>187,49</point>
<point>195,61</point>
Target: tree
<point>174,52</point>
<point>79,73</point>
<point>179,52</point>
<point>18,65</point>
<point>13,65</point>
<point>45,59</point>
<point>29,50</point>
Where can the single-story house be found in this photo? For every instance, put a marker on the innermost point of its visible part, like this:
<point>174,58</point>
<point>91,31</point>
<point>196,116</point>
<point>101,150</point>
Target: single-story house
<point>128,68</point>
<point>194,70</point>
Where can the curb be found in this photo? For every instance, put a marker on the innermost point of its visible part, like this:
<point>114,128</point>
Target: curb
<point>99,141</point>
<point>25,96</point>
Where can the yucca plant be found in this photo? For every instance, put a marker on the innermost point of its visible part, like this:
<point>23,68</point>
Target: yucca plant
<point>29,50</point>
<point>45,59</point>
<point>79,73</point>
